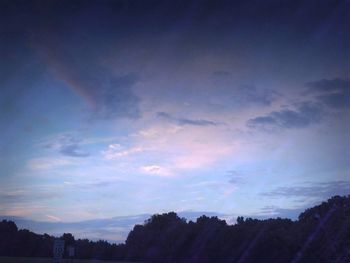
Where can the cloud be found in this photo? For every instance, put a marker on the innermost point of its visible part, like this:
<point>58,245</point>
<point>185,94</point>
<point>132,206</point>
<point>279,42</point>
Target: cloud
<point>207,183</point>
<point>46,163</point>
<point>274,211</point>
<point>116,151</point>
<point>184,121</point>
<point>236,177</point>
<point>225,89</point>
<point>322,190</point>
<point>251,95</point>
<point>73,150</point>
<point>221,73</point>
<point>335,93</point>
<point>92,184</point>
<point>329,85</point>
<point>23,195</point>
<point>23,209</point>
<point>81,69</point>
<point>185,148</point>
<point>66,144</point>
<point>305,114</point>
<point>115,97</point>
<point>53,218</point>
<point>155,170</point>
<point>220,187</point>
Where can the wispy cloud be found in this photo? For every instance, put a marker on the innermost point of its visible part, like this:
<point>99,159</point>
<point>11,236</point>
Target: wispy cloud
<point>67,144</point>
<point>23,209</point>
<point>247,94</point>
<point>156,170</point>
<point>53,218</point>
<point>221,187</point>
<point>325,94</point>
<point>116,151</point>
<point>275,211</point>
<point>207,183</point>
<point>321,190</point>
<point>109,95</point>
<point>88,185</point>
<point>25,195</point>
<point>185,148</point>
<point>305,114</point>
<point>221,73</point>
<point>240,95</point>
<point>48,163</point>
<point>236,177</point>
<point>185,121</point>
<point>334,93</point>
<point>73,150</point>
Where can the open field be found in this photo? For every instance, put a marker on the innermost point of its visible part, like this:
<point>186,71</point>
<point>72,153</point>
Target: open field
<point>49,260</point>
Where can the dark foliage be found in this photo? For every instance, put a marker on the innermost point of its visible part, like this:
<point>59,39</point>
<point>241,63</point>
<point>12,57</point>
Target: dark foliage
<point>321,234</point>
<point>23,243</point>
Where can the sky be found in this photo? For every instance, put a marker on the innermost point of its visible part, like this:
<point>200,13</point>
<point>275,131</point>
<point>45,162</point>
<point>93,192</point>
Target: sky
<point>129,107</point>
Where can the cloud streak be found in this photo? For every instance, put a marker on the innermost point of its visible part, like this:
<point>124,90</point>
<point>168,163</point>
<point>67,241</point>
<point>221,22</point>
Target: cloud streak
<point>185,121</point>
<point>274,211</point>
<point>335,93</point>
<point>107,94</point>
<point>326,94</point>
<point>322,190</point>
<point>236,177</point>
<point>155,170</point>
<point>26,196</point>
<point>68,145</point>
<point>305,114</point>
<point>116,151</point>
<point>47,163</point>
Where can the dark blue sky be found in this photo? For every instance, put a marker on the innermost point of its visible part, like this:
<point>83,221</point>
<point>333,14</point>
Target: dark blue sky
<point>112,108</point>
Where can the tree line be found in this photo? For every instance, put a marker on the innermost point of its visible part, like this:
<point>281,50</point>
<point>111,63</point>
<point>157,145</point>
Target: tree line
<point>321,234</point>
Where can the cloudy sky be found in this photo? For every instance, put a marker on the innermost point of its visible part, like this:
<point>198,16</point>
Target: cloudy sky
<point>126,107</point>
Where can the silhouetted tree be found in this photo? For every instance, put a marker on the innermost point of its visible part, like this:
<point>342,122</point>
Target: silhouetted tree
<point>321,234</point>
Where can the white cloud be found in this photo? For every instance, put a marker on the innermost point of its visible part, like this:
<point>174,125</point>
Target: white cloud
<point>155,170</point>
<point>53,218</point>
<point>115,151</point>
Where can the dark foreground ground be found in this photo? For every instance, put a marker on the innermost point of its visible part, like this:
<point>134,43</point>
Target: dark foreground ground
<point>49,260</point>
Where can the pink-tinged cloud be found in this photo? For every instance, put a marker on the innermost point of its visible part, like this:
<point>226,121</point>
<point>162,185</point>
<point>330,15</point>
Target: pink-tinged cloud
<point>116,151</point>
<point>53,218</point>
<point>186,148</point>
<point>155,170</point>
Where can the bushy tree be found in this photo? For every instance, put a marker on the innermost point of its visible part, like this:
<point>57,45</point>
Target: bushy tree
<point>321,234</point>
